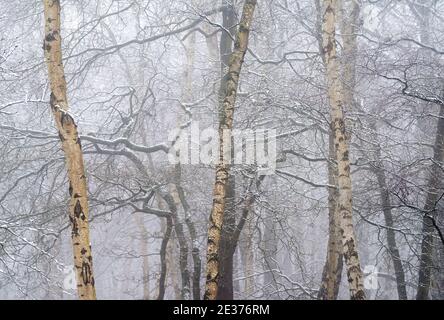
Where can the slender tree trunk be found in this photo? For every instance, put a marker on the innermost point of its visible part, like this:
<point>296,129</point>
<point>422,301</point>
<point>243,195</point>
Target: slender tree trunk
<point>172,200</point>
<point>227,246</point>
<point>388,217</point>
<point>78,208</point>
<point>225,291</point>
<point>222,168</point>
<point>197,263</point>
<point>163,258</point>
<point>332,273</point>
<point>249,257</point>
<point>246,247</point>
<point>433,194</point>
<point>439,275</point>
<point>422,11</point>
<point>236,269</point>
<point>391,239</point>
<point>212,49</point>
<point>270,250</point>
<point>354,272</point>
<point>245,225</point>
<point>177,226</point>
<point>179,192</point>
<point>333,268</point>
<point>349,29</point>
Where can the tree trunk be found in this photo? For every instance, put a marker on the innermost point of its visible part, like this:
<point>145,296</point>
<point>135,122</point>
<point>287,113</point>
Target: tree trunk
<point>332,273</point>
<point>227,247</point>
<point>248,254</point>
<point>172,200</point>
<point>388,217</point>
<point>246,225</point>
<point>195,253</point>
<point>429,213</point>
<point>391,239</point>
<point>222,168</point>
<point>333,268</point>
<point>354,272</point>
<point>163,257</point>
<point>78,208</point>
<point>349,29</point>
<point>178,194</point>
<point>422,11</point>
<point>225,291</point>
<point>270,249</point>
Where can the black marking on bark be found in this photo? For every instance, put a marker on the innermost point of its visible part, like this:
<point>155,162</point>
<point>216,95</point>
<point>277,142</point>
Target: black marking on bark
<point>328,48</point>
<point>70,190</point>
<point>46,46</point>
<point>351,249</point>
<point>86,274</point>
<point>74,226</point>
<point>329,9</point>
<point>78,209</point>
<point>359,295</point>
<point>66,119</point>
<point>243,28</point>
<point>62,139</point>
<point>83,251</point>
<point>77,196</point>
<point>50,36</point>
<point>52,101</point>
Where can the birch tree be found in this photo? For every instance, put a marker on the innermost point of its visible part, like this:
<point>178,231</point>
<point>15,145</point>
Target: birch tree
<point>335,98</point>
<point>226,113</point>
<point>332,271</point>
<point>225,291</point>
<point>71,145</point>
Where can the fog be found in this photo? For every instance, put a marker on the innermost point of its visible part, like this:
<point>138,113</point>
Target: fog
<point>149,85</point>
